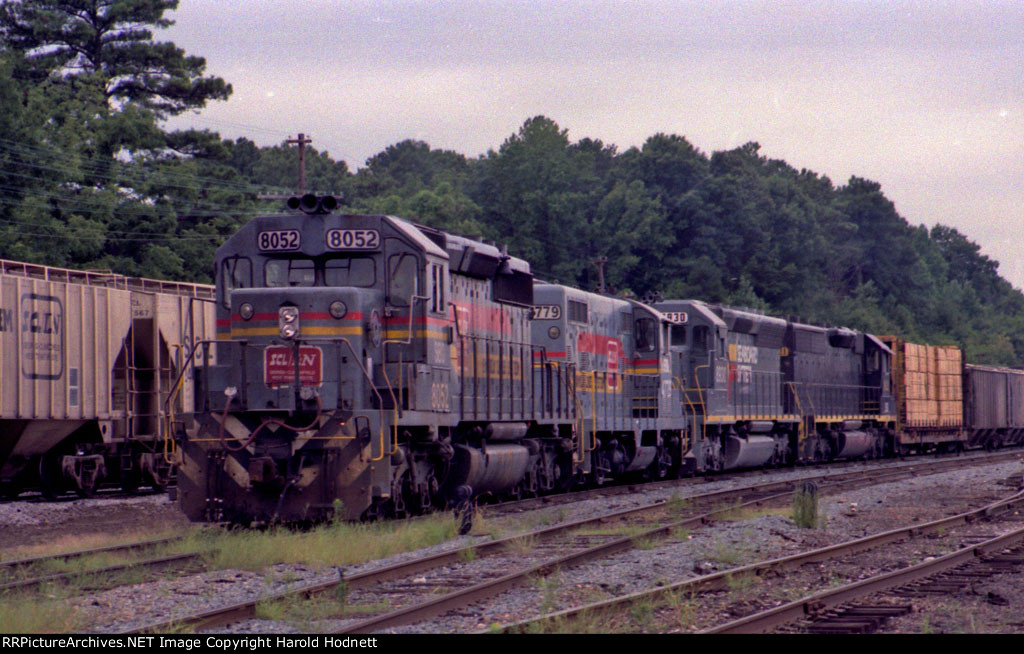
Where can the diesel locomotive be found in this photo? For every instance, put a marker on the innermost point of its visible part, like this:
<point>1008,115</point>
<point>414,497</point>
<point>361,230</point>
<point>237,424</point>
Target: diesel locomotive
<point>364,365</point>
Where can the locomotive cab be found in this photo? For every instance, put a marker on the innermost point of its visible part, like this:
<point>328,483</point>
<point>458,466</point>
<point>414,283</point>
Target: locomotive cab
<point>628,423</point>
<point>316,353</point>
<point>726,361</point>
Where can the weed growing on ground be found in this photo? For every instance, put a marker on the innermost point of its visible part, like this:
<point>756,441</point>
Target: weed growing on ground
<point>676,505</point>
<point>21,616</point>
<point>727,553</point>
<point>522,546</point>
<point>684,604</point>
<point>641,613</point>
<point>805,508</point>
<point>549,587</point>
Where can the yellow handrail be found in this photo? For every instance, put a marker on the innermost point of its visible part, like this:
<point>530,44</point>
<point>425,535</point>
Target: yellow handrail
<point>703,404</point>
<point>579,416</point>
<point>801,429</point>
<point>693,411</point>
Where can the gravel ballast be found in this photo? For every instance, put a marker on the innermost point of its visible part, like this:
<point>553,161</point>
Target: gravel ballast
<point>848,515</point>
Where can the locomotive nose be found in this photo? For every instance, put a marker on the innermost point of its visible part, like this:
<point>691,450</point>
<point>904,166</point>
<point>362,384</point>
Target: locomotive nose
<point>300,348</point>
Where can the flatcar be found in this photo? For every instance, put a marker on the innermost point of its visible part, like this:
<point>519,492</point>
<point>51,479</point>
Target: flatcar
<point>364,365</point>
<point>89,376</point>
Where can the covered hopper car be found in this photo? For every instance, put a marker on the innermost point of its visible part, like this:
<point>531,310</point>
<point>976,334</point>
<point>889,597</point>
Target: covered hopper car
<point>89,379</point>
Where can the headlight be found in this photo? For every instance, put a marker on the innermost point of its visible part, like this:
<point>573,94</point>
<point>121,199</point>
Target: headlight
<point>246,311</point>
<point>288,321</point>
<point>554,332</point>
<point>338,309</point>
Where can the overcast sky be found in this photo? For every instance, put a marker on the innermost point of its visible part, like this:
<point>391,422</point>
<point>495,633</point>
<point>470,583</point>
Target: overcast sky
<point>924,97</point>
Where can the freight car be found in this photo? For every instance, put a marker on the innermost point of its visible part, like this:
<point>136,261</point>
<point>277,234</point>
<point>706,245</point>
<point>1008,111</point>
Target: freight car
<point>993,406</point>
<point>365,365</point>
<point>87,361</point>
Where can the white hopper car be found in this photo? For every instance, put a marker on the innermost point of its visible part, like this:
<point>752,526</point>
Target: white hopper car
<point>90,390</point>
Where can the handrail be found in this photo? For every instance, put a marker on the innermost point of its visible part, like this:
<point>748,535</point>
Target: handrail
<point>693,411</point>
<point>579,412</point>
<point>384,366</point>
<point>801,434</point>
<point>703,404</point>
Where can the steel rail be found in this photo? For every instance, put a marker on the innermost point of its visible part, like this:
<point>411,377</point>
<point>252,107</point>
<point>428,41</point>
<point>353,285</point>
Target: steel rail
<point>721,579</point>
<point>840,467</point>
<point>489,588</point>
<point>154,564</point>
<point>245,610</point>
<point>226,615</point>
<point>814,604</point>
<point>96,550</point>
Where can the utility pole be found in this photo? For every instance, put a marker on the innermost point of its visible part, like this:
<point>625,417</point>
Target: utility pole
<point>301,142</point>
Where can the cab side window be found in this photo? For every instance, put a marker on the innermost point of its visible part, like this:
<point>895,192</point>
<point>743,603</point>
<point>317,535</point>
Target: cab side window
<point>435,274</point>
<point>700,337</point>
<point>678,334</point>
<point>646,335</point>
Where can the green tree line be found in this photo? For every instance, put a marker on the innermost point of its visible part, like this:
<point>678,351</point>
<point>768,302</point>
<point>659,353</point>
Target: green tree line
<point>90,178</point>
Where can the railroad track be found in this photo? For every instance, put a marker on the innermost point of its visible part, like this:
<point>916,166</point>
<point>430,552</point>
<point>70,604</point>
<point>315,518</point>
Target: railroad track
<point>421,588</point>
<point>854,618</point>
<point>838,611</point>
<point>30,573</point>
<point>25,563</point>
<point>102,577</point>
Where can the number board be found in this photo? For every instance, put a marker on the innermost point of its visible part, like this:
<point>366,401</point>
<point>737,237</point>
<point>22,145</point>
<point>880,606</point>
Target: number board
<point>678,317</point>
<point>547,312</point>
<point>353,239</point>
<point>282,240</point>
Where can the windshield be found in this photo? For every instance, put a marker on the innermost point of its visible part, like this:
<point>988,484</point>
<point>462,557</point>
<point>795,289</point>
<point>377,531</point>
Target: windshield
<point>402,279</point>
<point>357,271</point>
<point>290,272</point>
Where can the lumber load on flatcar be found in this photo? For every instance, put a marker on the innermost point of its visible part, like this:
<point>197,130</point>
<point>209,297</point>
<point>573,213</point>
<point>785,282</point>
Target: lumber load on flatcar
<point>927,381</point>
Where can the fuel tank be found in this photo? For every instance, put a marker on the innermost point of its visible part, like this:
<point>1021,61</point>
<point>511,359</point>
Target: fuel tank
<point>749,452</point>
<point>495,469</point>
<point>854,443</point>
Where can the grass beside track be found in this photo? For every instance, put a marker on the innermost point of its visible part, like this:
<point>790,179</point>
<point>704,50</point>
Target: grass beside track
<point>334,544</point>
<point>52,610</point>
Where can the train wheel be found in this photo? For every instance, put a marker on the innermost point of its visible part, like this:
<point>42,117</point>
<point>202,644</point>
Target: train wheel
<point>88,487</point>
<point>130,481</point>
<point>602,468</point>
<point>160,478</point>
<point>51,477</point>
<point>662,464</point>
